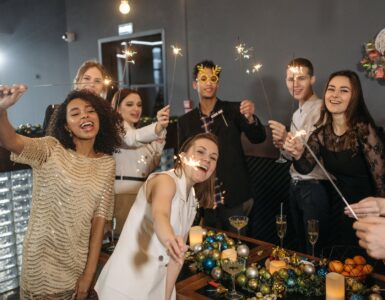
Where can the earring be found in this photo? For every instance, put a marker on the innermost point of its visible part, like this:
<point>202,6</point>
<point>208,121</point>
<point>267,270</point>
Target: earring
<point>70,133</point>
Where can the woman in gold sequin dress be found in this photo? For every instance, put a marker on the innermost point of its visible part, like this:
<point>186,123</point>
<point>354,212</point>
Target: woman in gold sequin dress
<point>73,177</point>
<point>151,247</point>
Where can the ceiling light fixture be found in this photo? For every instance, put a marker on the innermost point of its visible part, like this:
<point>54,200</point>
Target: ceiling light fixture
<point>124,7</point>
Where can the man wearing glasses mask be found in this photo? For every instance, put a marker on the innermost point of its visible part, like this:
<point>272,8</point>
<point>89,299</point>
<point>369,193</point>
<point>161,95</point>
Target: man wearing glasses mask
<point>227,120</point>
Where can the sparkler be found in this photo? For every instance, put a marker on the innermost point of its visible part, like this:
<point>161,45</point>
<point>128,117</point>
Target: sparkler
<point>177,52</point>
<point>190,161</point>
<point>301,133</point>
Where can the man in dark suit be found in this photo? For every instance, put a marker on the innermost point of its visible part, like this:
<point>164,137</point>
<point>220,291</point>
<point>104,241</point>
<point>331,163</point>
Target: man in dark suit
<point>227,120</point>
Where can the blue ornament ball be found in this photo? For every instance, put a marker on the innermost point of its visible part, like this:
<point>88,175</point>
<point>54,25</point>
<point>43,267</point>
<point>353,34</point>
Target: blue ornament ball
<point>290,282</point>
<point>219,237</point>
<point>208,264</point>
<point>356,297</point>
<point>210,239</point>
<point>224,246</point>
<point>322,271</point>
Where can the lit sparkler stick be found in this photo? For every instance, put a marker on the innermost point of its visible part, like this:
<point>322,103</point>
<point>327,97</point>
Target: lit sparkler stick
<point>190,161</point>
<point>177,52</point>
<point>255,69</point>
<point>301,133</point>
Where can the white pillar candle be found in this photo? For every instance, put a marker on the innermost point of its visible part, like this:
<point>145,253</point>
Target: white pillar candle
<point>195,235</point>
<point>335,286</point>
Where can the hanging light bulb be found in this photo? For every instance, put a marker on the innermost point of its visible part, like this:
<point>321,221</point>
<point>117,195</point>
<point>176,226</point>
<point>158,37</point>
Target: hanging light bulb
<point>124,7</point>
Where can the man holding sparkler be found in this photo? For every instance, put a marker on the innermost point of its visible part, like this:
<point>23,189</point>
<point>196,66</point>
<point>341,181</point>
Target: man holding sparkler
<point>309,197</point>
<point>226,120</point>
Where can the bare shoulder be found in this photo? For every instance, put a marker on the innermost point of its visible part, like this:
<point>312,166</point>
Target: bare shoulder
<point>161,184</point>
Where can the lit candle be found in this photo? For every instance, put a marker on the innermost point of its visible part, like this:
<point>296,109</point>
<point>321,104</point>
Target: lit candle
<point>276,265</point>
<point>195,235</point>
<point>335,286</point>
<point>230,254</point>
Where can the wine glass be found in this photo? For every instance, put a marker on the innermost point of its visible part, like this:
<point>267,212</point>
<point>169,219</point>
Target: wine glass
<point>238,222</point>
<point>233,268</point>
<point>280,221</point>
<point>312,231</point>
<point>281,159</point>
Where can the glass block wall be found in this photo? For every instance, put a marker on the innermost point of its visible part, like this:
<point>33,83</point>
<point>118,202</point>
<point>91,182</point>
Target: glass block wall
<point>15,201</point>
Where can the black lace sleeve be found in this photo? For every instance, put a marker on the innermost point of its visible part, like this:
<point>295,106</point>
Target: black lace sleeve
<point>373,149</point>
<point>307,162</point>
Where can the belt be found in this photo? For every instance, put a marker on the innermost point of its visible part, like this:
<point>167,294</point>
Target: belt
<point>130,178</point>
<point>305,181</point>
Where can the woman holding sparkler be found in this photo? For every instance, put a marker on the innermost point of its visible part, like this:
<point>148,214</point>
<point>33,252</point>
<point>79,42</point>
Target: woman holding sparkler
<point>73,176</point>
<point>135,163</point>
<point>348,143</point>
<point>151,248</point>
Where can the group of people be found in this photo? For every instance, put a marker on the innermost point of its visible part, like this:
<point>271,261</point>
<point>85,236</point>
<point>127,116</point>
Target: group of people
<point>96,163</point>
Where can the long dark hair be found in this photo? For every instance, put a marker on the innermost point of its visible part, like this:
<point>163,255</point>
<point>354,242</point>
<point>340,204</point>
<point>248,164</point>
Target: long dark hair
<point>109,136</point>
<point>357,111</point>
<point>204,191</point>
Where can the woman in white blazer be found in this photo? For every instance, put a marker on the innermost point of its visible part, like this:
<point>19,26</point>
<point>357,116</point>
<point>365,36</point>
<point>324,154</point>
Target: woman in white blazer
<point>136,159</point>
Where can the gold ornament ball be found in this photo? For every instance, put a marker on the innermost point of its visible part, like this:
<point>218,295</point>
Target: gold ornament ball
<point>252,284</point>
<point>265,289</point>
<point>241,279</point>
<point>216,254</point>
<point>210,233</point>
<point>375,297</point>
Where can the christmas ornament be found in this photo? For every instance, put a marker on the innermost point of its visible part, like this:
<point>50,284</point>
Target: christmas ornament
<point>308,268</point>
<point>243,250</point>
<point>375,297</point>
<point>252,284</point>
<point>208,264</point>
<point>216,273</point>
<point>241,279</point>
<point>197,248</point>
<point>251,272</point>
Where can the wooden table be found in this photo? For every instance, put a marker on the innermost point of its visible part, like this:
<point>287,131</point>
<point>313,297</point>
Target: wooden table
<point>189,284</point>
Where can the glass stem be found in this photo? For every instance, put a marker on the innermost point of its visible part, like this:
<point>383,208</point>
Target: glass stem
<point>233,279</point>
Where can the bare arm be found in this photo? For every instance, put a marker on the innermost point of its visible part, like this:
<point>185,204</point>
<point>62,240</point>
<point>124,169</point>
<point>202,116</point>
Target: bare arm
<point>96,237</point>
<point>9,139</point>
<point>160,192</point>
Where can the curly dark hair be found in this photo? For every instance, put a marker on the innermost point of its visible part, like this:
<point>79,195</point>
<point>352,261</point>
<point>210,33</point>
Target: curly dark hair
<point>111,129</point>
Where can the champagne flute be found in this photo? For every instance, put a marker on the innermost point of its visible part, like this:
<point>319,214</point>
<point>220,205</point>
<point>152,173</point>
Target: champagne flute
<point>312,231</point>
<point>233,268</point>
<point>113,228</point>
<point>281,159</point>
<point>280,221</point>
<point>238,222</point>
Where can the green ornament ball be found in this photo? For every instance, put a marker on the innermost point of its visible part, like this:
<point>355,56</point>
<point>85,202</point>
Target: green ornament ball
<point>265,289</point>
<point>241,280</point>
<point>252,284</point>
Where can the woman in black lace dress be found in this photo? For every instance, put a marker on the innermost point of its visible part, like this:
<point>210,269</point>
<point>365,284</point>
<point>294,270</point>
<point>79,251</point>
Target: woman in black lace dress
<point>347,141</point>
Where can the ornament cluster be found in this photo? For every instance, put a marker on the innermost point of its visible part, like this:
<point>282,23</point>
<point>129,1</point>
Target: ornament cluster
<point>300,276</point>
<point>30,130</point>
<point>373,62</point>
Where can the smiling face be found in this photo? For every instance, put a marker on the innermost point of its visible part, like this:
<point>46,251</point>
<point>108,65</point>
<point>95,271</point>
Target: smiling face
<point>200,160</point>
<point>131,108</point>
<point>206,84</point>
<point>82,120</point>
<point>300,83</point>
<point>92,80</point>
<point>338,95</point>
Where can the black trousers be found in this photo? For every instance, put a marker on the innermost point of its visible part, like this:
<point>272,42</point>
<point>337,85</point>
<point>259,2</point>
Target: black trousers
<point>219,217</point>
<point>310,199</point>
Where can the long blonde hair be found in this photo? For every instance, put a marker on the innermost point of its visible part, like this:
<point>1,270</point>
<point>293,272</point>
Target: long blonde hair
<point>88,64</point>
<point>204,191</point>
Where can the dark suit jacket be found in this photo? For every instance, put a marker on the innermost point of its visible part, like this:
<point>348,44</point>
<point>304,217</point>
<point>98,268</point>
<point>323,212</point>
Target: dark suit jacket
<point>231,167</point>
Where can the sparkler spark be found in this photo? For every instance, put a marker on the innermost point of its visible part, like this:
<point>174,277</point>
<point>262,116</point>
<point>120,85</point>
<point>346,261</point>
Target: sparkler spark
<point>243,52</point>
<point>190,161</point>
<point>176,51</point>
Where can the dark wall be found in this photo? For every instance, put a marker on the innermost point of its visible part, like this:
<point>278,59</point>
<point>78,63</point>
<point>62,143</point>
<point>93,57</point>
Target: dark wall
<point>34,53</point>
<point>329,32</point>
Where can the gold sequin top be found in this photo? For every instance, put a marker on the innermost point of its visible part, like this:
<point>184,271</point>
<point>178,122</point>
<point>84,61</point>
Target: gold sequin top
<point>68,191</point>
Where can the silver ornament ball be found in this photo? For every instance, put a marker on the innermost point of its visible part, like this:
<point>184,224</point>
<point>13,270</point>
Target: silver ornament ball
<point>197,248</point>
<point>243,250</point>
<point>308,269</point>
<point>251,272</point>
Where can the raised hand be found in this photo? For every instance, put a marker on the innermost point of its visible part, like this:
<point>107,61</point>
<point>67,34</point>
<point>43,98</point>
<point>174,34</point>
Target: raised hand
<point>293,146</point>
<point>163,116</point>
<point>370,206</point>
<point>10,94</point>
<point>279,133</point>
<point>247,109</point>
<point>176,249</point>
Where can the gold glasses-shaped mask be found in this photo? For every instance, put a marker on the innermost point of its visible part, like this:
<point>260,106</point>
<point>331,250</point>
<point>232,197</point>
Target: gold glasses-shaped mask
<point>204,78</point>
